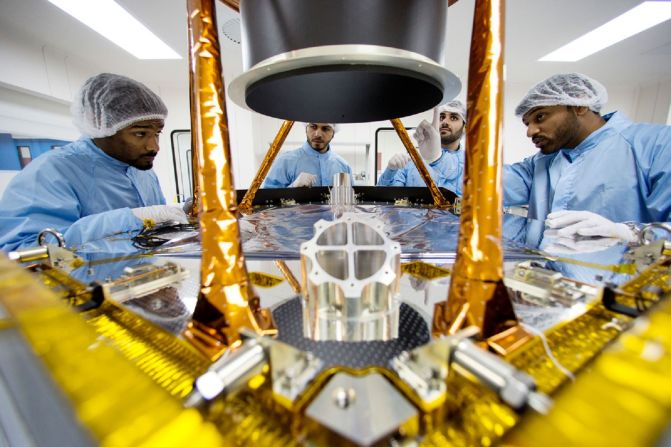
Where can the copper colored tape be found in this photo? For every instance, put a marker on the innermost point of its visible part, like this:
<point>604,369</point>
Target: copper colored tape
<point>291,279</point>
<point>235,4</point>
<point>195,204</point>
<point>276,145</point>
<point>226,302</point>
<point>438,198</point>
<point>477,295</point>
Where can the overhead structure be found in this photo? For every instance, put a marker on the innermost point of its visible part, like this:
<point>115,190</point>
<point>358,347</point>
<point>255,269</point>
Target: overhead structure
<point>346,62</point>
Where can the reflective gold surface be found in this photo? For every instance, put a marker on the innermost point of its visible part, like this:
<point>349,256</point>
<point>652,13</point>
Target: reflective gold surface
<point>438,198</point>
<point>276,145</point>
<point>623,399</point>
<point>477,296</point>
<point>227,301</point>
<point>111,397</point>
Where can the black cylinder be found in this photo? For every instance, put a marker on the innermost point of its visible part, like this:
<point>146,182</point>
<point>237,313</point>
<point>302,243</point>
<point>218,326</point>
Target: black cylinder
<point>272,27</point>
<point>340,89</point>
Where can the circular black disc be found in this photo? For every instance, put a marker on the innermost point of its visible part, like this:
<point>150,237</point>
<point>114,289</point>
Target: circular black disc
<point>412,332</point>
<point>343,94</point>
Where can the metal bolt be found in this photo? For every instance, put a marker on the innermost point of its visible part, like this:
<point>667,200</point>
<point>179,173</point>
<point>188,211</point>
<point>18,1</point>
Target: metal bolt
<point>343,398</point>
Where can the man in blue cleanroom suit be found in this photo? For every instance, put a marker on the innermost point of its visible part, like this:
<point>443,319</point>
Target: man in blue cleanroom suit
<point>594,175</point>
<point>101,184</point>
<point>445,165</point>
<point>313,164</point>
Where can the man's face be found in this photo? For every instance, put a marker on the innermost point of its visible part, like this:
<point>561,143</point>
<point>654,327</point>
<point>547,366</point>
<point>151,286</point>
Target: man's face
<point>136,145</point>
<point>451,127</point>
<point>319,135</point>
<point>552,128</point>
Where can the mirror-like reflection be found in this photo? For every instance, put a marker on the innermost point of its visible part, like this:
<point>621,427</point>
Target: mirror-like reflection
<point>550,278</point>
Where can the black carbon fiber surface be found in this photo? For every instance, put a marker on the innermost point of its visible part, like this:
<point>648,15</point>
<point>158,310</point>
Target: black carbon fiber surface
<point>413,331</point>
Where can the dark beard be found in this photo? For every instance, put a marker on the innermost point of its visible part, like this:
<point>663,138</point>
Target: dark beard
<point>454,136</point>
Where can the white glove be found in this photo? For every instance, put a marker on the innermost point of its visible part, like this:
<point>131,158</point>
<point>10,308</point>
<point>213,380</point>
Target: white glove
<point>586,223</point>
<point>161,213</point>
<point>187,205</point>
<point>304,179</point>
<point>428,138</point>
<point>569,245</point>
<point>398,161</point>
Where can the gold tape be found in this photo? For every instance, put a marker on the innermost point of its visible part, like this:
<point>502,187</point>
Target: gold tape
<point>625,269</point>
<point>475,288</point>
<point>246,203</point>
<point>265,280</point>
<point>438,199</point>
<point>230,303</point>
<point>422,270</point>
<point>291,279</point>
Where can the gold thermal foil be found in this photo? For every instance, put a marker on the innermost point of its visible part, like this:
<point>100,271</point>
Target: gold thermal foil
<point>225,286</point>
<point>478,270</point>
<point>438,198</point>
<point>111,397</point>
<point>195,205</point>
<point>276,145</point>
<point>623,399</point>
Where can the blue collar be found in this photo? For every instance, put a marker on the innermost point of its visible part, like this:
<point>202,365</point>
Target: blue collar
<point>310,152</point>
<point>594,138</point>
<point>100,154</point>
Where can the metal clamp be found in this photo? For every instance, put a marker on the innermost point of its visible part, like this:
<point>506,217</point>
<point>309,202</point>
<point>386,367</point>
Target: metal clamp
<point>41,237</point>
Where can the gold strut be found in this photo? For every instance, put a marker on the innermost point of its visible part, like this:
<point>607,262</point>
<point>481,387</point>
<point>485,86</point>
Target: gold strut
<point>226,302</point>
<point>195,196</point>
<point>477,295</point>
<point>276,145</point>
<point>438,199</point>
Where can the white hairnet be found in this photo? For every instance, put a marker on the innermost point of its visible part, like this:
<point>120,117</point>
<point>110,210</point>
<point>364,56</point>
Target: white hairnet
<point>454,106</point>
<point>567,89</point>
<point>335,126</point>
<point>107,103</point>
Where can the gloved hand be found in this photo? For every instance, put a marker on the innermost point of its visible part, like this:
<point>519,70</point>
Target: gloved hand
<point>428,138</point>
<point>187,205</point>
<point>555,244</point>
<point>304,179</point>
<point>587,223</point>
<point>160,213</point>
<point>398,161</point>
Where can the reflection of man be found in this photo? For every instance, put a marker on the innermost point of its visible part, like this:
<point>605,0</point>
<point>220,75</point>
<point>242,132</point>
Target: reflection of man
<point>593,173</point>
<point>440,147</point>
<point>313,164</point>
<point>100,184</point>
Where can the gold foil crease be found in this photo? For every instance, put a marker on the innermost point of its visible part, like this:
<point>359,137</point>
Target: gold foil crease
<point>116,402</point>
<point>478,271</point>
<point>276,145</point>
<point>226,302</point>
<point>438,198</point>
<point>623,399</point>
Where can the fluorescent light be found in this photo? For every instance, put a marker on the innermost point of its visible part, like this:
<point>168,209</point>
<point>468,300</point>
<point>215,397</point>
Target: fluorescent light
<point>644,16</point>
<point>115,23</point>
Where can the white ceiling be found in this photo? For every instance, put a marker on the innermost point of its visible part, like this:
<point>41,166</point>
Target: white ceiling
<point>533,29</point>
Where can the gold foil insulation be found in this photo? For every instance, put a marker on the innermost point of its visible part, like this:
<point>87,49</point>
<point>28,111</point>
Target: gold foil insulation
<point>477,295</point>
<point>623,399</point>
<point>226,302</point>
<point>114,400</point>
<point>276,145</point>
<point>438,198</point>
